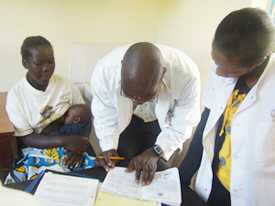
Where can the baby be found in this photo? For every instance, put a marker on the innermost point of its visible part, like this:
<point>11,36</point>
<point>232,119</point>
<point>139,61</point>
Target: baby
<point>76,121</point>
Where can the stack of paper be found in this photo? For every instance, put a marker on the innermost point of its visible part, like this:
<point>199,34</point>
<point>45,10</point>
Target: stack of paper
<point>165,187</point>
<point>63,190</point>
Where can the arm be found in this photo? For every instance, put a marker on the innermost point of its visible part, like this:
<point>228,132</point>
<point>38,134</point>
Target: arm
<point>43,141</point>
<point>105,116</point>
<point>181,119</point>
<point>192,160</point>
<point>184,118</point>
<point>103,108</point>
<point>77,144</point>
<point>25,131</point>
<point>185,115</point>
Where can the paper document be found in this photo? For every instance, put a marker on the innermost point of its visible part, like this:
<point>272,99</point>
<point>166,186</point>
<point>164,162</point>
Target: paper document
<point>63,190</point>
<point>108,199</point>
<point>165,186</point>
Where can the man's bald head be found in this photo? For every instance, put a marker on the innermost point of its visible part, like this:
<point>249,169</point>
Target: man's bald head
<point>142,70</point>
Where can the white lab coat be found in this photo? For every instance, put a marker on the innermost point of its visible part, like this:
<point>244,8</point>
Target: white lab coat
<point>252,143</point>
<point>177,107</point>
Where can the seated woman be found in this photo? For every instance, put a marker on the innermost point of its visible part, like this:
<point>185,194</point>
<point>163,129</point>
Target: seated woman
<point>41,99</point>
<point>233,148</point>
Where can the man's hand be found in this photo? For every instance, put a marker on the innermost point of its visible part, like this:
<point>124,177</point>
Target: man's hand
<point>72,160</point>
<point>145,166</point>
<point>105,161</point>
<point>76,144</point>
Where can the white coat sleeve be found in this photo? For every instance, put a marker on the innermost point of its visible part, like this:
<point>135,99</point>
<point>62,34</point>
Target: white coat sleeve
<point>183,118</point>
<point>103,108</point>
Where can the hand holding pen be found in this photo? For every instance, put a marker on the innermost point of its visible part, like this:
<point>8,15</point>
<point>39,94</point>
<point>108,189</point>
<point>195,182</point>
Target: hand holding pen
<point>107,159</point>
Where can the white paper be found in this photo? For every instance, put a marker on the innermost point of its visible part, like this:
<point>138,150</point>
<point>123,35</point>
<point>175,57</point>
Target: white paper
<point>12,197</point>
<point>165,186</point>
<point>63,190</point>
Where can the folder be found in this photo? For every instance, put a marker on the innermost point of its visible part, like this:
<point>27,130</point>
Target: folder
<point>105,199</point>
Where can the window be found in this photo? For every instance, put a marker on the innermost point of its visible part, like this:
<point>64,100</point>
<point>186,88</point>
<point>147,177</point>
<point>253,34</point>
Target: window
<point>271,9</point>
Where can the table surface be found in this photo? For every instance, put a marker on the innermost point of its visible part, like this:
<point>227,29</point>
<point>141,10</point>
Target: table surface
<point>189,197</point>
<point>5,124</point>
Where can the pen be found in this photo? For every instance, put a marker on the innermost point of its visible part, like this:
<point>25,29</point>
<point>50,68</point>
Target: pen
<point>112,158</point>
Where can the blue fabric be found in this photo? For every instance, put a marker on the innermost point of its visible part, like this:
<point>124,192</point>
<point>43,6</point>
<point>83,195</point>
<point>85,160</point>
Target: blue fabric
<point>34,161</point>
<point>73,129</point>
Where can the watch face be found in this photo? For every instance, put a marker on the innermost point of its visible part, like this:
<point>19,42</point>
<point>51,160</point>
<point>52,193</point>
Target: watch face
<point>157,149</point>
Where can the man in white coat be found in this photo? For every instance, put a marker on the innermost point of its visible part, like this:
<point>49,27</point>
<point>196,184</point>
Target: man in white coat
<point>146,101</point>
<point>233,150</point>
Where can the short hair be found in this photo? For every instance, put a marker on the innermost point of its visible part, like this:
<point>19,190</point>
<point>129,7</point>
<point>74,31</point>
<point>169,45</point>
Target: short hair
<point>33,42</point>
<point>247,34</point>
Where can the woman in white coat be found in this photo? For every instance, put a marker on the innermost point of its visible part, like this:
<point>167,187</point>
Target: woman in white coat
<point>236,135</point>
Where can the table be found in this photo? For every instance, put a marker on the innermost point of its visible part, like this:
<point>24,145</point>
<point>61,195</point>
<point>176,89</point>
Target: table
<point>189,197</point>
<point>8,147</point>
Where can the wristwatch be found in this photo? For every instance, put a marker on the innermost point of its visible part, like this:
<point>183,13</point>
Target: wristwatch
<point>157,150</point>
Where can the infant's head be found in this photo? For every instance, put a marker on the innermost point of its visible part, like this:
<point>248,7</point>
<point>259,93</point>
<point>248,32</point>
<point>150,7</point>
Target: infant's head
<point>78,113</point>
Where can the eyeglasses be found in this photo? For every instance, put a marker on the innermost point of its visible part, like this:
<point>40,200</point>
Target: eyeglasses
<point>139,99</point>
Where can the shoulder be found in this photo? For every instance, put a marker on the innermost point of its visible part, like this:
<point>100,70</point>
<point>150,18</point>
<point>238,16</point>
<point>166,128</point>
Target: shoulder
<point>108,69</point>
<point>182,73</point>
<point>17,98</point>
<point>179,62</point>
<point>58,81</point>
<point>61,86</point>
<point>113,58</point>
<point>267,82</point>
<point>21,84</point>
<point>17,89</point>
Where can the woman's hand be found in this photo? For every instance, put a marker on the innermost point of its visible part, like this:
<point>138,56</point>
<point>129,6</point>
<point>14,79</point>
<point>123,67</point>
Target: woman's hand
<point>72,160</point>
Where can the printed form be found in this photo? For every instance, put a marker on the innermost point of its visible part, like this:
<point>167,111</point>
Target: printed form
<point>164,188</point>
<point>64,190</point>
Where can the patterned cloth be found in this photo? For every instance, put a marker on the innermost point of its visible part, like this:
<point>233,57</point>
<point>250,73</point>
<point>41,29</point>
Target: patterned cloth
<point>223,172</point>
<point>35,161</point>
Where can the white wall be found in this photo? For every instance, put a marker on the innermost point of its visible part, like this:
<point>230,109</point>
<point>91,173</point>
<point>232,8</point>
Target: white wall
<point>64,22</point>
<point>190,25</point>
<point>261,3</point>
<point>186,24</point>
